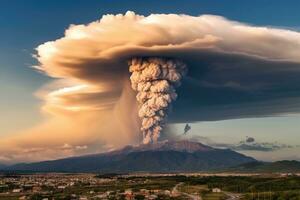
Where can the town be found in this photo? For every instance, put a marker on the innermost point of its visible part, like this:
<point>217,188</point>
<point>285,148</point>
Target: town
<point>60,186</point>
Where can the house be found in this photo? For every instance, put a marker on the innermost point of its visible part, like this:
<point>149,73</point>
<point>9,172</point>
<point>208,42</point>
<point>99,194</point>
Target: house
<point>62,187</point>
<point>152,197</point>
<point>144,191</point>
<point>36,189</point>
<point>17,190</point>
<point>101,196</point>
<point>216,190</point>
<point>128,191</point>
<point>128,194</point>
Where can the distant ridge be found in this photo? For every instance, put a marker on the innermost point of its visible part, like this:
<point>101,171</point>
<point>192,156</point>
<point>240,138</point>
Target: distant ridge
<point>167,156</point>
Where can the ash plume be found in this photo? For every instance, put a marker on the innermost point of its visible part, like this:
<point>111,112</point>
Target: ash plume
<point>240,69</point>
<point>155,80</point>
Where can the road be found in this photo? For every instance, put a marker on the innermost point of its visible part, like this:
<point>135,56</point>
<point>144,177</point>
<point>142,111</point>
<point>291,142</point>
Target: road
<point>175,190</point>
<point>191,196</point>
<point>233,196</point>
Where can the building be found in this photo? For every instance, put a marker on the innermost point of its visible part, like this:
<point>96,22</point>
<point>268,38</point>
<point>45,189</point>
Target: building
<point>36,189</point>
<point>128,194</point>
<point>216,190</point>
<point>61,187</point>
<point>17,190</point>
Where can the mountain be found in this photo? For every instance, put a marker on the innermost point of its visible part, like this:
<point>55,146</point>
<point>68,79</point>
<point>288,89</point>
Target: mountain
<point>2,166</point>
<point>285,166</point>
<point>167,156</point>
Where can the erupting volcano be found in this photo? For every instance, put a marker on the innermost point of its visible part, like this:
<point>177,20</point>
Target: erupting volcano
<point>155,80</point>
<point>116,79</point>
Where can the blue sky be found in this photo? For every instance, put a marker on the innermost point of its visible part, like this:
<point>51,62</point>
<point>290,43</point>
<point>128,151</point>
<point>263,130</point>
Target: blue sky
<point>27,23</point>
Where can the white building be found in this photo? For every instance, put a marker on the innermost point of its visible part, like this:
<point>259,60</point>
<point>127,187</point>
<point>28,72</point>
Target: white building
<point>17,190</point>
<point>216,190</point>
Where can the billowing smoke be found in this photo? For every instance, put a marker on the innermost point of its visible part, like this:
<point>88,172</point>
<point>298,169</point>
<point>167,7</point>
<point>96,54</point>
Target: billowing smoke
<point>155,80</point>
<point>250,139</point>
<point>241,71</point>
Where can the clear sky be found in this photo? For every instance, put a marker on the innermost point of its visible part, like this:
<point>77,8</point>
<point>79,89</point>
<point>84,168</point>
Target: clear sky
<point>25,24</point>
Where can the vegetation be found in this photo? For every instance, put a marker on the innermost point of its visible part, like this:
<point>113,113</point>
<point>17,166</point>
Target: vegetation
<point>284,166</point>
<point>279,195</point>
<point>247,187</point>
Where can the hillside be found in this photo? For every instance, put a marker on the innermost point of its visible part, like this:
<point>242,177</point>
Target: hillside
<point>180,156</point>
<point>2,166</point>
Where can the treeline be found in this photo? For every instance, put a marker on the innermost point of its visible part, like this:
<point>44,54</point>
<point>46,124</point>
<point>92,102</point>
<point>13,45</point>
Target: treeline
<point>248,184</point>
<point>241,184</point>
<point>282,195</point>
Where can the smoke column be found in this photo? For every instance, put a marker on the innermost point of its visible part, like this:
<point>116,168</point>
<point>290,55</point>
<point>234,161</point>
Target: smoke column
<point>155,80</point>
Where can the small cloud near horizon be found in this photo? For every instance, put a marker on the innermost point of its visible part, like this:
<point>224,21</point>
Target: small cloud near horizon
<point>249,144</point>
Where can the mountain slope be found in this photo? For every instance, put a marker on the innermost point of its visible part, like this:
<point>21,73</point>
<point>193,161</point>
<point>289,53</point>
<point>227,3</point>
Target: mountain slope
<point>2,166</point>
<point>161,157</point>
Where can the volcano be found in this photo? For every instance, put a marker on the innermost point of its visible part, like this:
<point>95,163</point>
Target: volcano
<point>166,156</point>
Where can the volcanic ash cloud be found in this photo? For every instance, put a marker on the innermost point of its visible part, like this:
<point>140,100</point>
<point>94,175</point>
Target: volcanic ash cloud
<point>155,80</point>
<point>241,70</point>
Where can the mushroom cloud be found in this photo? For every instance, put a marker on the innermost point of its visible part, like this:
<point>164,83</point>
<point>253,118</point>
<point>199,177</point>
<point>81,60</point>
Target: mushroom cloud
<point>226,70</point>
